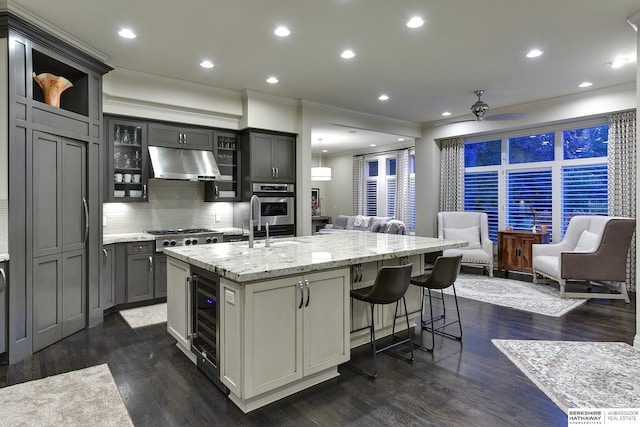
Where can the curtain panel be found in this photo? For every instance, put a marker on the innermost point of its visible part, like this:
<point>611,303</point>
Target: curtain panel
<point>452,175</point>
<point>358,185</point>
<point>402,187</point>
<point>621,166</point>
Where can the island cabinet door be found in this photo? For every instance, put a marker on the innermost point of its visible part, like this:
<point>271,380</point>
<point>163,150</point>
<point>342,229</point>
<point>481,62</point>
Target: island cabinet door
<point>363,275</point>
<point>179,302</point>
<point>272,334</point>
<point>413,296</point>
<point>326,320</point>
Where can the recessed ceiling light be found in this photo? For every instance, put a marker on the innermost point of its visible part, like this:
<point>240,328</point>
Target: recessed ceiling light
<point>415,22</point>
<point>206,64</point>
<point>534,53</point>
<point>372,145</point>
<point>281,31</point>
<point>585,84</point>
<point>446,113</point>
<point>347,54</point>
<point>272,80</point>
<point>383,97</point>
<point>400,139</point>
<point>324,150</point>
<point>618,62</point>
<point>127,33</point>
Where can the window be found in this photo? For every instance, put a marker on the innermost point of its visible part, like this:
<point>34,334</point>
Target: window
<point>512,178</point>
<point>381,186</point>
<point>481,195</point>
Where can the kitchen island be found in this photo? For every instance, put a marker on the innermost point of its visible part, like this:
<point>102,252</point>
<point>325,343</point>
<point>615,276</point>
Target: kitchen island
<point>286,320</point>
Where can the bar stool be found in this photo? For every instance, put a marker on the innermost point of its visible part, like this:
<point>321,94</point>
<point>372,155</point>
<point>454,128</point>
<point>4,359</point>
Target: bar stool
<point>444,274</point>
<point>390,286</point>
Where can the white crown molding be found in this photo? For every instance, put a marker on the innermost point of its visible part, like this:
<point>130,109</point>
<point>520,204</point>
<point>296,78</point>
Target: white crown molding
<point>155,78</point>
<point>333,109</point>
<point>252,94</point>
<point>19,11</point>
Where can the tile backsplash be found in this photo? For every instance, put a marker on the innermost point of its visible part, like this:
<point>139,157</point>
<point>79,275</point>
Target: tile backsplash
<point>172,204</point>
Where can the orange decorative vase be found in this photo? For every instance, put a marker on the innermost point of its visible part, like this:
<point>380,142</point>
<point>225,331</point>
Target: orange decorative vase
<point>52,87</point>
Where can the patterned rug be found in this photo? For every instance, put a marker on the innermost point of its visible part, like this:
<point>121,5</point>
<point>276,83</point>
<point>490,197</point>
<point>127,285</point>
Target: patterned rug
<point>577,374</point>
<point>88,397</point>
<point>145,316</point>
<point>541,299</point>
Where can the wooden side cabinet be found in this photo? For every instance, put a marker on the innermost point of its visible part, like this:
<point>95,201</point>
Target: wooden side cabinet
<point>514,250</point>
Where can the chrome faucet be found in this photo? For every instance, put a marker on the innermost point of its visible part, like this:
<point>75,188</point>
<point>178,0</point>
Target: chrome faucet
<point>254,199</point>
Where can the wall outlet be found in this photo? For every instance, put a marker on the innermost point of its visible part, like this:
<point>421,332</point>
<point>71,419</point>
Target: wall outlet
<point>218,217</point>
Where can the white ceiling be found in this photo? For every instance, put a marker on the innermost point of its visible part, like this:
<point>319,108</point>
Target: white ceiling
<point>464,45</point>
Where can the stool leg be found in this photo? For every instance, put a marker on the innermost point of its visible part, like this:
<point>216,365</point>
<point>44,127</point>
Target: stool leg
<point>455,297</point>
<point>374,373</point>
<point>406,316</point>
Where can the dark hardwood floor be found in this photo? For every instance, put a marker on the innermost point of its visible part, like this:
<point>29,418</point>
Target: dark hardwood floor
<point>468,383</point>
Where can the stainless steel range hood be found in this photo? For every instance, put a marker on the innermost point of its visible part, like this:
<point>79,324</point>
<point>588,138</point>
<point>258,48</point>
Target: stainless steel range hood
<point>192,165</point>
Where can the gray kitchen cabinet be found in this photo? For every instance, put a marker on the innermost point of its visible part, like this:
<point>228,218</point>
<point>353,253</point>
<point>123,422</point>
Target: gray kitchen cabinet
<point>190,138</point>
<point>127,160</point>
<point>108,277</point>
<point>268,157</point>
<point>139,271</point>
<point>60,231</point>
<point>54,155</point>
<point>4,282</point>
<point>160,276</point>
<point>226,148</point>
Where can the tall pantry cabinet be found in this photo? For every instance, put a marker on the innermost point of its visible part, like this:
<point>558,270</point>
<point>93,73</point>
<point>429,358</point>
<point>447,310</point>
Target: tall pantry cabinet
<point>55,202</point>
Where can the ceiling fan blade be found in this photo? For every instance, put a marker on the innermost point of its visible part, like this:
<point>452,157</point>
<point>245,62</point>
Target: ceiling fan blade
<point>508,116</point>
<point>455,121</point>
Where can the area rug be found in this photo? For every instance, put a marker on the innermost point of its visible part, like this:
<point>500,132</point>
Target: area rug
<point>576,374</point>
<point>145,316</point>
<point>541,299</point>
<point>87,397</point>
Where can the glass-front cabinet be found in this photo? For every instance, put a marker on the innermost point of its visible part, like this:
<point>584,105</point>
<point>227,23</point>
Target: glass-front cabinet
<point>127,161</point>
<point>227,151</point>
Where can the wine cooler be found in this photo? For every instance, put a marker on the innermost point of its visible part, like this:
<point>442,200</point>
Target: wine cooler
<point>205,342</point>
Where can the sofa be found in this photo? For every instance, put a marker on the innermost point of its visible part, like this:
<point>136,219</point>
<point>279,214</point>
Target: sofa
<point>375,224</point>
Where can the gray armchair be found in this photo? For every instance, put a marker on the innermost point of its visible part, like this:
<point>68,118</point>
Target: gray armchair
<point>594,250</point>
<point>472,227</point>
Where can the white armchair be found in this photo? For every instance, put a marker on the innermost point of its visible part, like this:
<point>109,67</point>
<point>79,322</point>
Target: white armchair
<point>472,227</point>
<point>594,249</point>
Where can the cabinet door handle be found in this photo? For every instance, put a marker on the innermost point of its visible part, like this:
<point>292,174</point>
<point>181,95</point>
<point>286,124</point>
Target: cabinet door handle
<point>216,191</point>
<point>106,255</point>
<point>277,173</point>
<point>308,293</point>
<point>301,294</point>
<point>86,221</point>
<point>150,263</point>
<point>144,191</point>
<point>184,138</point>
<point>4,279</point>
<point>180,138</point>
<point>273,172</point>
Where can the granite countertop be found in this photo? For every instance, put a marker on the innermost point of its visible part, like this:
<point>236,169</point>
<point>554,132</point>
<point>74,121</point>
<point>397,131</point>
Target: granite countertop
<point>4,257</point>
<point>108,239</point>
<point>286,257</point>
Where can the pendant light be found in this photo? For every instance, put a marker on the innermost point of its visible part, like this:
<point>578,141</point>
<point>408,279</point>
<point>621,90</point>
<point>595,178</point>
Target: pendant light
<point>320,173</point>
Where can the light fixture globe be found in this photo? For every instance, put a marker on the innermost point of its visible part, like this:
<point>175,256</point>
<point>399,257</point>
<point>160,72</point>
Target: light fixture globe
<point>480,108</point>
<point>320,173</point>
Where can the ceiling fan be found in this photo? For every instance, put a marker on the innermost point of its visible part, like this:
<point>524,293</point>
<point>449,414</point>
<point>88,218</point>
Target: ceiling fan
<point>480,108</point>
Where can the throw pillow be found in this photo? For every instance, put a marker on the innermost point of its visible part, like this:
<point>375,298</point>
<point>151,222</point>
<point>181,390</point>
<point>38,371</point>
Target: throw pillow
<point>471,235</point>
<point>341,222</point>
<point>587,242</point>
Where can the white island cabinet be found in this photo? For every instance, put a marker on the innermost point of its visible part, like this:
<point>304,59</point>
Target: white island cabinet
<point>285,312</point>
